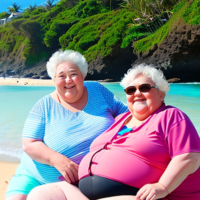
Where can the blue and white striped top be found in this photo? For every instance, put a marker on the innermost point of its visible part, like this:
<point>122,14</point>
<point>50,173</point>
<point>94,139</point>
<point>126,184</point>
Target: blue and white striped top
<point>67,132</point>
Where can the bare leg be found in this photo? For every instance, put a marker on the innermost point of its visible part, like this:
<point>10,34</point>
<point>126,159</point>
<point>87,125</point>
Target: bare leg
<point>17,197</point>
<point>54,191</point>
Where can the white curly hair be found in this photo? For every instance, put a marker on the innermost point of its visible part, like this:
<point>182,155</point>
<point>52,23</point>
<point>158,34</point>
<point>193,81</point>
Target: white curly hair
<point>64,56</point>
<point>149,71</point>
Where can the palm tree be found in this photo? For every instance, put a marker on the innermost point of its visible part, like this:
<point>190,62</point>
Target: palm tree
<point>15,8</point>
<point>49,4</point>
<point>31,8</point>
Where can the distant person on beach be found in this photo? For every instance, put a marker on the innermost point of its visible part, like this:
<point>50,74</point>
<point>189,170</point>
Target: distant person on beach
<point>151,152</point>
<point>62,125</point>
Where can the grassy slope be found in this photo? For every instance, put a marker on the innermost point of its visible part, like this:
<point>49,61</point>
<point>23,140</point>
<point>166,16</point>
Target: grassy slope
<point>188,11</point>
<point>96,35</point>
<point>90,29</point>
<point>11,40</point>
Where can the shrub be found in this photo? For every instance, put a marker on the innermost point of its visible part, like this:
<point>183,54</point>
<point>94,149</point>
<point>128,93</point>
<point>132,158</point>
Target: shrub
<point>26,51</point>
<point>4,15</point>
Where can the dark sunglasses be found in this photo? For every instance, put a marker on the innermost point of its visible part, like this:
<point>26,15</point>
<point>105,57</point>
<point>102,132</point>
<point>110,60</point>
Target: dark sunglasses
<point>142,88</point>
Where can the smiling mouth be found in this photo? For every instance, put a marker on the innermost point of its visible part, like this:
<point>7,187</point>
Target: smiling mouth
<point>139,100</point>
<point>69,87</point>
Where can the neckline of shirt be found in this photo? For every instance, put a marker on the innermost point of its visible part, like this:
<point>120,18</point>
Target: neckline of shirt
<point>83,110</point>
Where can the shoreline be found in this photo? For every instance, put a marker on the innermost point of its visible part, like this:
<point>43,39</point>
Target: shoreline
<point>26,82</point>
<point>32,82</point>
<point>7,171</point>
<point>50,82</point>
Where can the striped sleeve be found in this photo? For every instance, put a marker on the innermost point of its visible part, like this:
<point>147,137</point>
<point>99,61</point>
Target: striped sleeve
<point>34,126</point>
<point>117,106</point>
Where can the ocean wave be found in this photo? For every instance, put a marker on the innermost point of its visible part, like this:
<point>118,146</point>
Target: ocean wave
<point>187,83</point>
<point>10,154</point>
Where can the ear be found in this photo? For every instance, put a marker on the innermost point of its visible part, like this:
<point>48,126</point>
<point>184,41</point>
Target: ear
<point>162,95</point>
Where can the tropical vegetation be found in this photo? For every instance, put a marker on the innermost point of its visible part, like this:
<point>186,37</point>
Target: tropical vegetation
<point>93,27</point>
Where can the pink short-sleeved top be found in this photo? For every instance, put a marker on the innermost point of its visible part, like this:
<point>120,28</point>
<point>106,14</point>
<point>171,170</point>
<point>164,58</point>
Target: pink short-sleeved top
<point>141,156</point>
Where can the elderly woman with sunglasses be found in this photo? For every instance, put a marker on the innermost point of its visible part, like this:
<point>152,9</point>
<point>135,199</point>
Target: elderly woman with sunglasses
<point>61,126</point>
<point>151,152</point>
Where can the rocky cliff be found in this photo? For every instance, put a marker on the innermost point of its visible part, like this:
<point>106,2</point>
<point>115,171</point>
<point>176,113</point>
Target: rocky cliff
<point>178,56</point>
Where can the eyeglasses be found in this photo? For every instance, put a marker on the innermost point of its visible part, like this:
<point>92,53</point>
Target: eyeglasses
<point>142,88</point>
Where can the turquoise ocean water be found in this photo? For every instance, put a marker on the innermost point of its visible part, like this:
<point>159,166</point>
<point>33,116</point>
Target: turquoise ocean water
<point>16,102</point>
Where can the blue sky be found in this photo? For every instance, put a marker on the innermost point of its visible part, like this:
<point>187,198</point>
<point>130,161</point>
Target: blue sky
<point>23,3</point>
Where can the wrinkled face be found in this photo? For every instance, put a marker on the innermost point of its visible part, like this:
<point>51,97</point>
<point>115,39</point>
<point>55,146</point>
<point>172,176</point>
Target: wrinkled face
<point>142,105</point>
<point>69,82</point>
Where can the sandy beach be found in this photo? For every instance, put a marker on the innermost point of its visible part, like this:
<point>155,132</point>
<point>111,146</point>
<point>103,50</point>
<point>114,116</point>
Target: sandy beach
<point>7,171</point>
<point>7,168</point>
<point>26,82</point>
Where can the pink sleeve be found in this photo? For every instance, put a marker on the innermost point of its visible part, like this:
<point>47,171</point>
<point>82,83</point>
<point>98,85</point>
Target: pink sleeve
<point>183,138</point>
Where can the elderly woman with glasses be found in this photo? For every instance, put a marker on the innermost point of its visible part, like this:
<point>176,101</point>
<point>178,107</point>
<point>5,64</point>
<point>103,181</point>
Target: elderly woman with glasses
<point>61,126</point>
<point>151,152</point>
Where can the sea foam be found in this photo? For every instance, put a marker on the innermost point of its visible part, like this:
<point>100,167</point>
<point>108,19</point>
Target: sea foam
<point>10,154</point>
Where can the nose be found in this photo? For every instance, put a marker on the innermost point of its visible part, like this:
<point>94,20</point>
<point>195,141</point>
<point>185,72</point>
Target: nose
<point>68,78</point>
<point>137,92</point>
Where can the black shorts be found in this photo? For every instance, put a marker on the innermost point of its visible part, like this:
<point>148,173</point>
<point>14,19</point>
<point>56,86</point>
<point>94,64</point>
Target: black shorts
<point>96,187</point>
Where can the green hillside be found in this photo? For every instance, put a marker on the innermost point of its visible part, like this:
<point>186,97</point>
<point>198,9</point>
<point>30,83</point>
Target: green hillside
<point>92,27</point>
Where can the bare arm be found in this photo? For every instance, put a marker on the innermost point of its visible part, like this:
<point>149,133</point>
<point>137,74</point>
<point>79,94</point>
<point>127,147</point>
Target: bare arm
<point>178,169</point>
<point>39,152</point>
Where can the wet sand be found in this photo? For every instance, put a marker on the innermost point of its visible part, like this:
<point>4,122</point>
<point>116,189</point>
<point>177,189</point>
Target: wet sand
<point>26,82</point>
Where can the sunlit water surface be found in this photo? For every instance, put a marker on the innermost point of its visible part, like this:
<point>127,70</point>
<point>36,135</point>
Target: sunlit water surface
<point>16,102</point>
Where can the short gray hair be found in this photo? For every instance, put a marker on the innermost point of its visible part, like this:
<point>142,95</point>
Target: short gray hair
<point>149,71</point>
<point>66,56</point>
